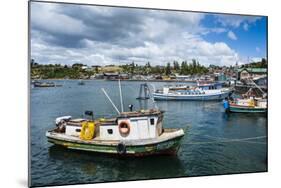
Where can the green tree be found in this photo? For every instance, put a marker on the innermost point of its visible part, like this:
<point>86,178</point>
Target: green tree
<point>168,69</point>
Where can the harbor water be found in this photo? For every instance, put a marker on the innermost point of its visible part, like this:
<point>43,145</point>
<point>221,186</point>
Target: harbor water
<point>214,142</point>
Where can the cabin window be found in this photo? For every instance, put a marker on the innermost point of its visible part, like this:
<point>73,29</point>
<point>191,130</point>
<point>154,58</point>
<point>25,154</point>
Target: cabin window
<point>152,121</point>
<point>109,131</point>
<point>78,130</point>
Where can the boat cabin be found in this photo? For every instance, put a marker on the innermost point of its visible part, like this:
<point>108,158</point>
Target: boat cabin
<point>144,124</point>
<point>132,126</point>
<point>211,86</point>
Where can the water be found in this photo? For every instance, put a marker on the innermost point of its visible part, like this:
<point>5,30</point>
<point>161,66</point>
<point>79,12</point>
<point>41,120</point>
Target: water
<point>200,153</point>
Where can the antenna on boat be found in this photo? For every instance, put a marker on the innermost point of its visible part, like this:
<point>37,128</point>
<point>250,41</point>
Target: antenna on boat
<point>110,100</point>
<point>121,97</point>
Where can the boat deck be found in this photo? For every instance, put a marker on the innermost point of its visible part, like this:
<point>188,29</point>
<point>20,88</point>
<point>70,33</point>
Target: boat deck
<point>166,135</point>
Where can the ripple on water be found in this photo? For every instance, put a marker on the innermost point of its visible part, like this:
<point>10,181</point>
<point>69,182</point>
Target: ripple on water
<point>205,122</point>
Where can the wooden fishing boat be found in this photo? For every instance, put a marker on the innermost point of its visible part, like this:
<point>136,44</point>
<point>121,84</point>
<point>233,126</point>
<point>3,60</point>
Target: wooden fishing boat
<point>137,133</point>
<point>250,105</point>
<point>133,133</point>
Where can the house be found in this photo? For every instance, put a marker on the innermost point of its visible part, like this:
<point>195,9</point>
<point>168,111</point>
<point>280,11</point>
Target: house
<point>111,76</point>
<point>249,73</point>
<point>182,77</point>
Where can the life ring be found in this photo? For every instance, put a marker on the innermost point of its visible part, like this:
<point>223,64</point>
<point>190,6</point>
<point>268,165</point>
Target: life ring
<point>121,148</point>
<point>124,128</point>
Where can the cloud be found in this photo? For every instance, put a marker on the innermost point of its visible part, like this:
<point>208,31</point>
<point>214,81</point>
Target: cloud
<point>231,35</point>
<point>235,21</point>
<point>258,49</point>
<point>245,26</point>
<point>67,34</point>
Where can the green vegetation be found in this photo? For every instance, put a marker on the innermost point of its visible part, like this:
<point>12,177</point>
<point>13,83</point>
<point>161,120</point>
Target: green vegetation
<point>260,64</point>
<point>171,68</point>
<point>80,71</point>
<point>59,71</point>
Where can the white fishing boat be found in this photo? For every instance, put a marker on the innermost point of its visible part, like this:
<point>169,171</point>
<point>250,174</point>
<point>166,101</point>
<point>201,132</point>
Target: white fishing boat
<point>203,91</point>
<point>132,133</point>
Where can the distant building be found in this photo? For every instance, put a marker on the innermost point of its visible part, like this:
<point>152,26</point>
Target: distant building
<point>97,76</point>
<point>84,67</point>
<point>111,76</point>
<point>124,76</point>
<point>220,77</point>
<point>182,77</point>
<point>246,73</point>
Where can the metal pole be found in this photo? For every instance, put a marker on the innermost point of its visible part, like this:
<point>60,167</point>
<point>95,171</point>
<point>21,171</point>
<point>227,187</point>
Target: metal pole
<point>110,100</point>
<point>121,98</point>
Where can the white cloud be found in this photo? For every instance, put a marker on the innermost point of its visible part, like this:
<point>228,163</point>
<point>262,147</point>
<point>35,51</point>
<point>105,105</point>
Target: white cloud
<point>258,49</point>
<point>155,36</point>
<point>231,35</point>
<point>245,26</point>
<point>235,20</point>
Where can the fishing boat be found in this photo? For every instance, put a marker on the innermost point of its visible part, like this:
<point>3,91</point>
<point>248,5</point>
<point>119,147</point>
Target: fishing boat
<point>249,105</point>
<point>45,84</point>
<point>132,133</point>
<point>81,83</point>
<point>203,91</point>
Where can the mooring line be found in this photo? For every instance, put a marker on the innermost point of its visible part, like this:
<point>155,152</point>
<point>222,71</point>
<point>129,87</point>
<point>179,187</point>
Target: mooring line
<point>231,140</point>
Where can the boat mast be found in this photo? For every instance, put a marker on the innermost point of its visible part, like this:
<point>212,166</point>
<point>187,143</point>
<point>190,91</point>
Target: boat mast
<point>121,97</point>
<point>257,86</point>
<point>110,101</point>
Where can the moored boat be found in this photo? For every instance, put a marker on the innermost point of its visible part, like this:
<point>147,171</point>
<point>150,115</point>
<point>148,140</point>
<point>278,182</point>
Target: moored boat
<point>45,84</point>
<point>136,133</point>
<point>81,83</point>
<point>210,91</point>
<point>133,133</point>
<point>249,105</point>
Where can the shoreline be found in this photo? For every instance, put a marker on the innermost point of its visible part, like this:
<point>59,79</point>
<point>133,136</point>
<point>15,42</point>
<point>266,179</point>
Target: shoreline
<point>135,80</point>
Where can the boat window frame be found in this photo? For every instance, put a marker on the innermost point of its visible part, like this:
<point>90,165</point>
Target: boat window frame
<point>109,131</point>
<point>152,121</point>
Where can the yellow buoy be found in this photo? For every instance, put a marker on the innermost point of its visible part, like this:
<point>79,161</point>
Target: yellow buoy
<point>87,131</point>
<point>251,103</point>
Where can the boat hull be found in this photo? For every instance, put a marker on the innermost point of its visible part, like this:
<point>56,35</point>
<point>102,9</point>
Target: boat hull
<point>221,96</point>
<point>240,109</point>
<point>169,146</point>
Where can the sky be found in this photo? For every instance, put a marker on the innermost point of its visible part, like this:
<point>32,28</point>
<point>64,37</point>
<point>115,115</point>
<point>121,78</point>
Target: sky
<point>97,35</point>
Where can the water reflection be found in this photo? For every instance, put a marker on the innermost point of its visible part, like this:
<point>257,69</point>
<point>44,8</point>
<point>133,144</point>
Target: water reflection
<point>121,168</point>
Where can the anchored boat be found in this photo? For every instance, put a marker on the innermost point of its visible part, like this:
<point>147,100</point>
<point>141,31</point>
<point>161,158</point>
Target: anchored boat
<point>133,133</point>
<point>45,84</point>
<point>81,83</point>
<point>250,105</point>
<point>210,91</point>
